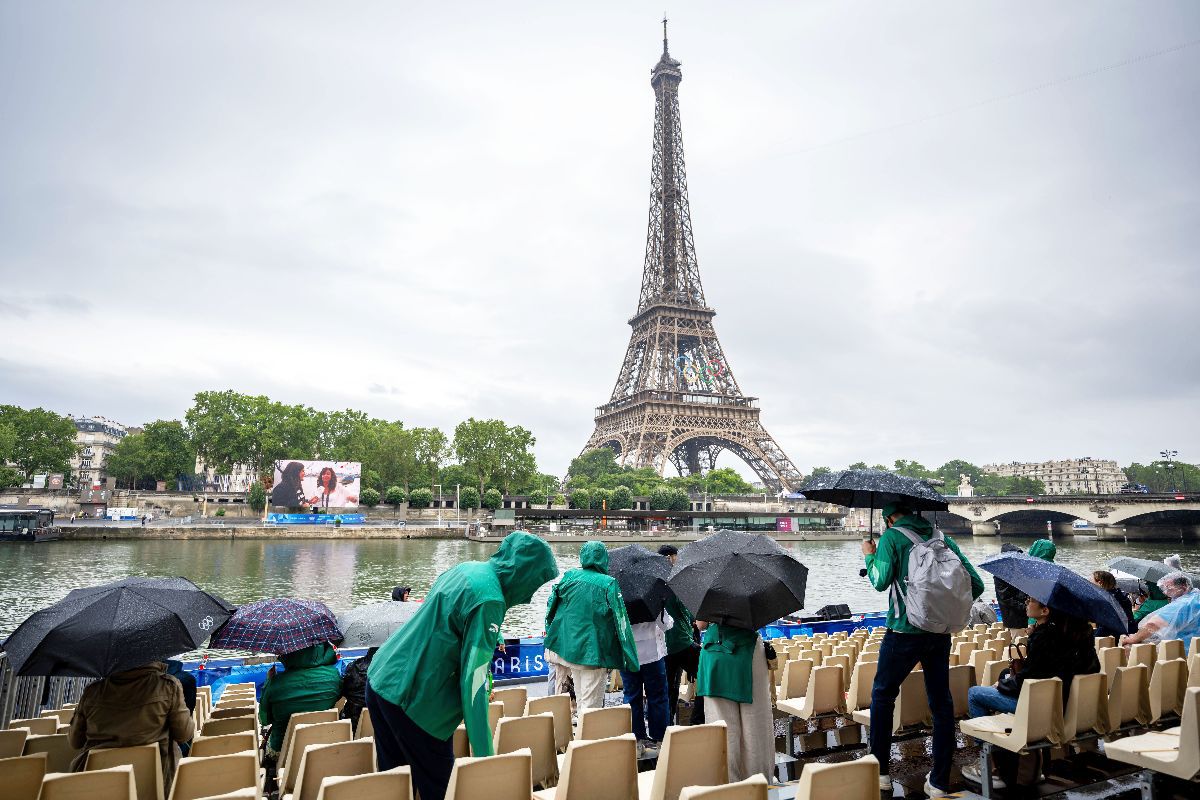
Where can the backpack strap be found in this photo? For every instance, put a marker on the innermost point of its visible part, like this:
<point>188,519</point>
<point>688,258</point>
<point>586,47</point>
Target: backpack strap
<point>913,536</point>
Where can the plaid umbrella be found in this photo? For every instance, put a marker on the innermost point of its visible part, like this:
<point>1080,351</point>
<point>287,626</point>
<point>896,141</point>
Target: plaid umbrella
<point>278,625</point>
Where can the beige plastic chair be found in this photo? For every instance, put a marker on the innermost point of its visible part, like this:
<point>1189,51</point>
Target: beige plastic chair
<point>842,662</point>
<point>872,655</point>
<point>1105,641</point>
<point>979,662</point>
<point>145,761</point>
<point>240,794</point>
<point>233,713</point>
<point>912,705</point>
<point>1129,698</point>
<point>37,726</point>
<point>366,728</point>
<point>824,695</point>
<point>753,788</point>
<point>850,780</point>
<point>696,755</point>
<point>1168,685</point>
<point>1038,719</point>
<point>505,777</point>
<point>394,784</point>
<point>1194,668</point>
<point>237,702</point>
<point>535,734</point>
<point>858,696</point>
<point>220,727</point>
<point>604,723</point>
<point>1086,707</point>
<point>21,776</point>
<point>962,678</point>
<point>241,687</point>
<point>206,777</point>
<point>513,698</point>
<point>305,736</point>
<point>991,672</point>
<point>1111,660</point>
<point>600,769</point>
<point>116,783</point>
<point>1145,653</point>
<point>962,654</point>
<point>58,750</point>
<point>814,655</point>
<point>331,760</point>
<point>495,712</point>
<point>795,679</point>
<point>1171,649</point>
<point>560,706</point>
<point>226,745</point>
<point>12,742</point>
<point>303,718</point>
<point>1169,752</point>
<point>65,715</point>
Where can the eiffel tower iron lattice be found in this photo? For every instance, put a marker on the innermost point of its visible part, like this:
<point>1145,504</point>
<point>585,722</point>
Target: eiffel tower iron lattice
<point>676,399</point>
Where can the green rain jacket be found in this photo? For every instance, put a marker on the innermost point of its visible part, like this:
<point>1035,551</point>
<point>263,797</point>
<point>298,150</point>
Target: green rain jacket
<point>310,682</point>
<point>1155,599</point>
<point>1043,549</point>
<point>890,563</point>
<point>727,663</point>
<point>679,637</point>
<point>586,621</point>
<point>437,667</point>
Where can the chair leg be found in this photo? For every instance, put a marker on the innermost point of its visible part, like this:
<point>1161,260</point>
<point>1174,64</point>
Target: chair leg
<point>985,770</point>
<point>1146,784</point>
<point>789,738</point>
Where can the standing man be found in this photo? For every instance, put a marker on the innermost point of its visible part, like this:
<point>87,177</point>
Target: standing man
<point>434,672</point>
<point>683,654</point>
<point>587,627</point>
<point>1011,599</point>
<point>905,645</point>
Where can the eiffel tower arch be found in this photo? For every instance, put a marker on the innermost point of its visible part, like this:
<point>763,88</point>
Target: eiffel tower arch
<point>676,400</point>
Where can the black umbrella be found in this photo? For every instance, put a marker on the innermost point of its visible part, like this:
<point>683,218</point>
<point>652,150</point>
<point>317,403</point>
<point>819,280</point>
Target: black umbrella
<point>741,579</point>
<point>100,630</point>
<point>642,576</point>
<point>872,488</point>
<point>1056,586</point>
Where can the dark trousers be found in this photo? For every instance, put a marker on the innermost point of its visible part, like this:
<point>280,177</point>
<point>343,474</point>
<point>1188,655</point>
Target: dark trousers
<point>653,677</point>
<point>401,742</point>
<point>678,663</point>
<point>898,655</point>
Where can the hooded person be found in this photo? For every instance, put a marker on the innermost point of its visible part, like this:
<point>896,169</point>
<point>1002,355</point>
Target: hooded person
<point>435,672</point>
<point>587,626</point>
<point>1178,618</point>
<point>1043,549</point>
<point>1011,599</point>
<point>1152,600</point>
<point>310,682</point>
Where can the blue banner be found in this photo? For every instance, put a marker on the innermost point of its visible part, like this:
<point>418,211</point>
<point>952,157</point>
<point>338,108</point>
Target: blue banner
<point>316,519</point>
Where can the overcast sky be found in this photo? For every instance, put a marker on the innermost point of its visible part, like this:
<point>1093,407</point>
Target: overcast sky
<point>930,230</point>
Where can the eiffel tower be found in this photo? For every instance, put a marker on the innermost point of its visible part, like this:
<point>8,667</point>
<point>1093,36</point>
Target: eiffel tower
<point>676,398</point>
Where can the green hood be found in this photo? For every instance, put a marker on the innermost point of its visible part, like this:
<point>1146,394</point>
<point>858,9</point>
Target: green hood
<point>1043,549</point>
<point>523,564</point>
<point>594,556</point>
<point>317,655</point>
<point>915,522</point>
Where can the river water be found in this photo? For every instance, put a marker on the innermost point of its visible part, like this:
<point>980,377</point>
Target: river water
<point>346,573</point>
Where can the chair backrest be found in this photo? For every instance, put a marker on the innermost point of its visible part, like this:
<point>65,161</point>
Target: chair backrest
<point>601,769</point>
<point>225,745</point>
<point>394,784</point>
<point>204,692</point>
<point>1145,653</point>
<point>504,777</point>
<point>1086,710</point>
<point>58,750</point>
<point>1105,641</point>
<point>220,727</point>
<point>603,723</point>
<point>1129,696</point>
<point>962,678</point>
<point>513,698</point>
<point>64,715</point>
<point>1168,684</point>
<point>912,706</point>
<point>814,655</point>
<point>795,678</point>
<point>869,655</point>
<point>962,653</point>
<point>305,736</point>
<point>753,788</point>
<point>858,696</point>
<point>1039,714</point>
<point>849,780</point>
<point>241,687</point>
<point>12,742</point>
<point>462,745</point>
<point>560,706</point>
<point>145,761</point>
<point>37,726</point>
<point>825,691</point>
<point>992,670</point>
<point>331,760</point>
<point>1194,669</point>
<point>237,701</point>
<point>840,661</point>
<point>205,777</point>
<point>696,755</point>
<point>979,661</point>
<point>366,728</point>
<point>495,712</point>
<point>222,712</point>
<point>303,718</point>
<point>535,734</point>
<point>1189,743</point>
<point>1171,649</point>
<point>1111,659</point>
<point>21,776</point>
<point>115,783</point>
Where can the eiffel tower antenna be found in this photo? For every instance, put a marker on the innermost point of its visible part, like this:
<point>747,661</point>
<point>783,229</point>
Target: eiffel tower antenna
<point>676,400</point>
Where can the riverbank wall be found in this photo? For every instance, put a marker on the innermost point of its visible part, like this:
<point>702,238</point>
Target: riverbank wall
<point>189,532</point>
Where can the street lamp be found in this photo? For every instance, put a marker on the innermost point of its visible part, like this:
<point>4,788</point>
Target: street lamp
<point>437,502</point>
<point>1169,456</point>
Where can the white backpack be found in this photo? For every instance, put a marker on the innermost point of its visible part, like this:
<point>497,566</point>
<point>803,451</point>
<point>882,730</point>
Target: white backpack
<point>937,587</point>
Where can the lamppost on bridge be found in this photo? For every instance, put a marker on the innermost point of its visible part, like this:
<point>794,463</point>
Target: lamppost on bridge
<point>1169,457</point>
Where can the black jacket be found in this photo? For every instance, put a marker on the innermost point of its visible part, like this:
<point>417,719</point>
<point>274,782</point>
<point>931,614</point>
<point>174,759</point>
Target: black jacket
<point>1127,609</point>
<point>354,687</point>
<point>1010,599</point>
<point>1051,655</point>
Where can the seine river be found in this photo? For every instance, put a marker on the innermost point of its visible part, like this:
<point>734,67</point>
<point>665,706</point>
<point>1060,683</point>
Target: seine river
<point>347,573</point>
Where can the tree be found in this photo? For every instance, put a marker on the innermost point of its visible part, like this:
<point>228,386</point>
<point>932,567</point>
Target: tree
<point>469,497</point>
<point>229,428</point>
<point>660,498</point>
<point>1158,478</point>
<point>581,498</point>
<point>39,441</point>
<point>492,499</point>
<point>420,497</point>
<point>951,473</point>
<point>128,462</point>
<point>369,497</point>
<point>679,499</point>
<point>1026,486</point>
<point>589,467</point>
<point>537,497</point>
<point>493,452</point>
<point>431,448</point>
<point>826,470</point>
<point>857,465</point>
<point>560,499</point>
<point>714,482</point>
<point>257,497</point>
<point>394,496</point>
<point>911,469</point>
<point>600,498</point>
<point>167,450</point>
<point>621,498</point>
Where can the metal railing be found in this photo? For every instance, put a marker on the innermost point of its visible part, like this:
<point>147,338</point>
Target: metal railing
<point>22,697</point>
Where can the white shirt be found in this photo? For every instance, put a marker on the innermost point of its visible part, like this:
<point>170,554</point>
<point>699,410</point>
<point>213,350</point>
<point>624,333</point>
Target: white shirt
<point>650,638</point>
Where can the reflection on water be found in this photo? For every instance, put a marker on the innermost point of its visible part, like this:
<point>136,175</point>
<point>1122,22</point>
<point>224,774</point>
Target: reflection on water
<point>346,573</point>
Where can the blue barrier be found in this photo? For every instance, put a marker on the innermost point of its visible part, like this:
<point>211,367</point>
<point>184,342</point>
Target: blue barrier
<point>316,519</point>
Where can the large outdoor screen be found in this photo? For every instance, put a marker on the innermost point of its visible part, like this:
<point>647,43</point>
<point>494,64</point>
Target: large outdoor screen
<point>316,484</point>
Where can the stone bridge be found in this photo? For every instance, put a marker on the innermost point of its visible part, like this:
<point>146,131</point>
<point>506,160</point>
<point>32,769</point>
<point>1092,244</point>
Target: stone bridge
<point>1114,516</point>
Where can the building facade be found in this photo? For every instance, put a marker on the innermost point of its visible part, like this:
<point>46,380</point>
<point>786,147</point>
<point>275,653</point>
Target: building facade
<point>1071,476</point>
<point>238,479</point>
<point>96,438</point>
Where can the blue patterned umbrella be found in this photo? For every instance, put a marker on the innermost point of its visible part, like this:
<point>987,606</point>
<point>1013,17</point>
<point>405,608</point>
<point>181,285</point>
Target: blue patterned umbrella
<point>278,625</point>
<point>1059,588</point>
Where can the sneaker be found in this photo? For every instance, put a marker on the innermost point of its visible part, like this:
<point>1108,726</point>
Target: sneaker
<point>885,783</point>
<point>971,773</point>
<point>932,791</point>
<point>649,748</point>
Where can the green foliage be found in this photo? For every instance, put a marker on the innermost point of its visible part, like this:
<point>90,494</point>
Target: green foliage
<point>220,512</point>
<point>911,469</point>
<point>581,498</point>
<point>858,465</point>
<point>621,498</point>
<point>1181,476</point>
<point>10,477</point>
<point>371,479</point>
<point>660,498</point>
<point>469,497</point>
<point>826,470</point>
<point>394,496</point>
<point>1026,486</point>
<point>257,497</point>
<point>161,452</point>
<point>598,469</point>
<point>369,497</point>
<point>492,499</point>
<point>714,482</point>
<point>560,499</point>
<point>37,441</point>
<point>537,497</point>
<point>420,498</point>
<point>600,498</point>
<point>494,452</point>
<point>8,441</point>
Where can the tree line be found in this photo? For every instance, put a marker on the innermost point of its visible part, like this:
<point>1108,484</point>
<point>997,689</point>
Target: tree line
<point>986,483</point>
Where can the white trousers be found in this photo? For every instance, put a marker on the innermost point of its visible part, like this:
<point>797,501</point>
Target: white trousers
<point>750,727</point>
<point>589,684</point>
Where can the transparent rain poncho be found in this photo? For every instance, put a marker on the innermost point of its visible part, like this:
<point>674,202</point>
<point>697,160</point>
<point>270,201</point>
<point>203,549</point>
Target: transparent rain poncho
<point>1180,619</point>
